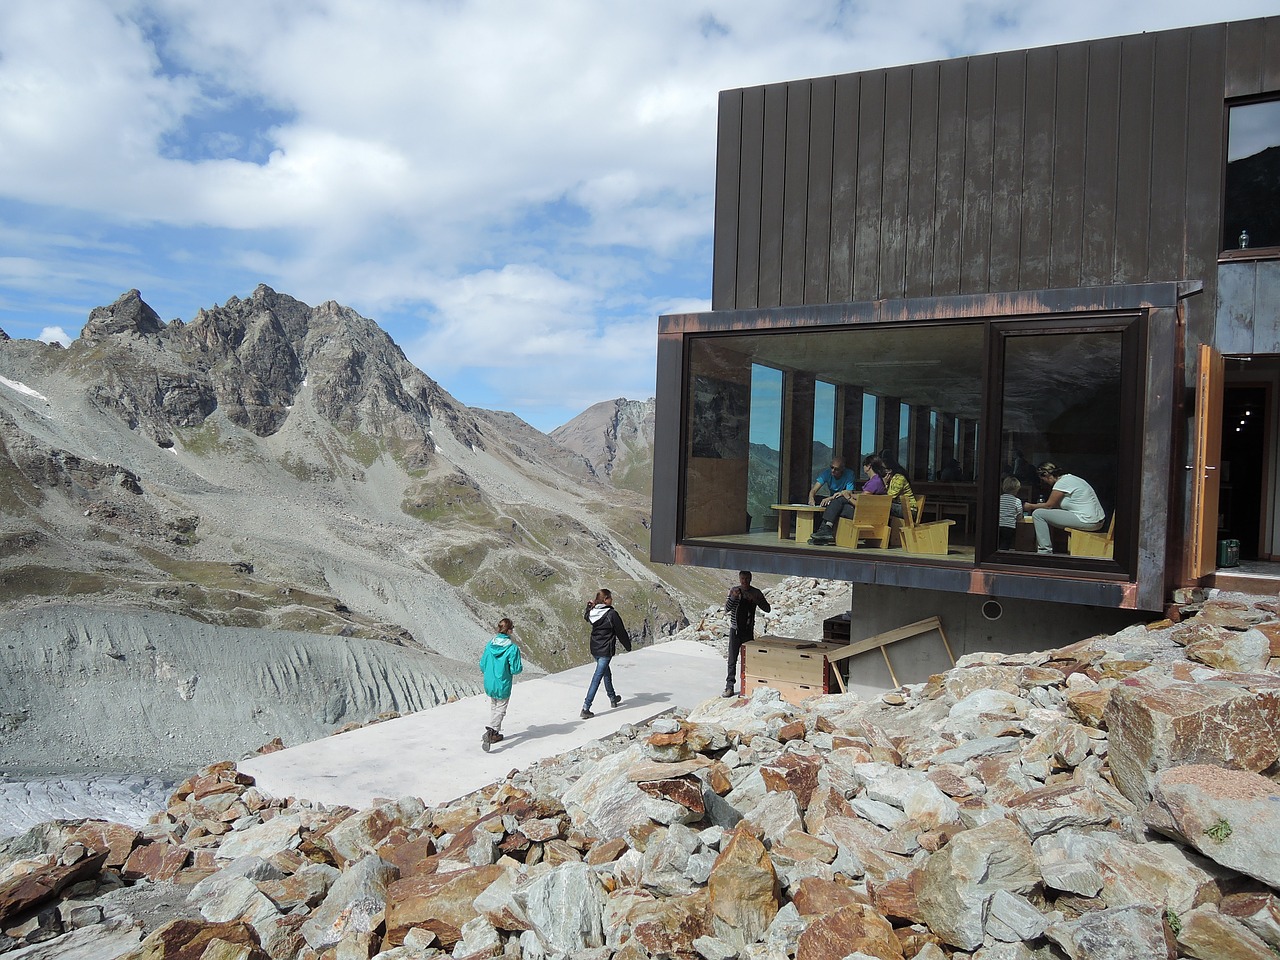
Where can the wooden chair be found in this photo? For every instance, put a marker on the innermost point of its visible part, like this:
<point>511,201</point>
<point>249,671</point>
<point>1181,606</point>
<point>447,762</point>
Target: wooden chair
<point>932,538</point>
<point>870,522</point>
<point>896,524</point>
<point>1087,543</point>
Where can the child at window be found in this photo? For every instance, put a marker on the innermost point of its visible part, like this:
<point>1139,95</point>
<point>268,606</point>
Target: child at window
<point>1010,510</point>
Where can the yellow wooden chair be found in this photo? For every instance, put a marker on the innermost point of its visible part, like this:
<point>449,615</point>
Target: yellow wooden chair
<point>896,524</point>
<point>1087,543</point>
<point>870,522</point>
<point>932,538</point>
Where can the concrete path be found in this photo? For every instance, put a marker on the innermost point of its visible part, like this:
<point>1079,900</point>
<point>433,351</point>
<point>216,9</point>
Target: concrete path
<point>435,754</point>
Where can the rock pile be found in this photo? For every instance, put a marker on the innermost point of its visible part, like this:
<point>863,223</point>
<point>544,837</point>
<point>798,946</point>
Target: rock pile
<point>1110,799</point>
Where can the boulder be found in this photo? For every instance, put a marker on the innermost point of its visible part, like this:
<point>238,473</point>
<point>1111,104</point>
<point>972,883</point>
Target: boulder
<point>355,903</point>
<point>1119,933</point>
<point>563,907</point>
<point>743,890</point>
<point>1206,934</point>
<point>856,928</point>
<point>441,903</point>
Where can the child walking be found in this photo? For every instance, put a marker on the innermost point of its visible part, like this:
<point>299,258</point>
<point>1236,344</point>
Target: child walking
<point>499,662</point>
<point>1010,511</point>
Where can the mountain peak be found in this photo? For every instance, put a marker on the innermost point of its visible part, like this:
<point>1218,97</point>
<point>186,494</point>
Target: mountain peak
<point>129,314</point>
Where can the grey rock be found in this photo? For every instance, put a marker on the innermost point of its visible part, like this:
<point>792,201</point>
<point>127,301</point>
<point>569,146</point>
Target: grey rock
<point>564,907</point>
<point>354,905</point>
<point>1011,918</point>
<point>1118,933</point>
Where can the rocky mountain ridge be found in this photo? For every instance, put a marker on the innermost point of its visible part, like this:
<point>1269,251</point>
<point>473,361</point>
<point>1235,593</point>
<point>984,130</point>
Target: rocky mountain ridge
<point>280,467</point>
<point>1113,798</point>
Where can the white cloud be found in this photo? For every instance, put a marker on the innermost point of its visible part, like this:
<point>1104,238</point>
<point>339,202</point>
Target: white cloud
<point>55,335</point>
<point>537,173</point>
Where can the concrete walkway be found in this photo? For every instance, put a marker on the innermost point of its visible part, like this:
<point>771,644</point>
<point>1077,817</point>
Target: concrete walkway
<point>435,754</point>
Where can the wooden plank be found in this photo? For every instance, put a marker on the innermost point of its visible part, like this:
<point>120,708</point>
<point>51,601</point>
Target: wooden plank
<point>975,230</point>
<point>896,183</point>
<point>724,256</point>
<point>1006,170</point>
<point>921,212</point>
<point>844,189</point>
<point>1133,163</point>
<point>948,201</point>
<point>866,228</point>
<point>1037,170</point>
<point>1168,218</point>
<point>751,167</point>
<point>886,638</point>
<point>772,194</point>
<point>1068,166</point>
<point>1102,122</point>
<point>818,239</point>
<point>794,693</point>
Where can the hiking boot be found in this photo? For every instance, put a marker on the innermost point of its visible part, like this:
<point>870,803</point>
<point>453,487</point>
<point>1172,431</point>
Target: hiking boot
<point>614,701</point>
<point>824,534</point>
<point>487,740</point>
<point>497,738</point>
<point>586,714</point>
<point>728,690</point>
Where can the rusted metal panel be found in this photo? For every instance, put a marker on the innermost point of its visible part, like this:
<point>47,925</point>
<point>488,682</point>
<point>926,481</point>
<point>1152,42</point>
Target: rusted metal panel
<point>844,189</point>
<point>1246,53</point>
<point>772,194</point>
<point>795,195</point>
<point>1169,226</point>
<point>1133,156</point>
<point>1037,170</point>
<point>1206,164</point>
<point>1237,304</point>
<point>1068,166</point>
<point>922,181</point>
<point>818,244</point>
<point>953,79</point>
<point>724,263</point>
<point>750,180</point>
<point>1097,250</point>
<point>1008,149</point>
<point>866,224</point>
<point>975,230</point>
<point>896,183</point>
<point>1266,335</point>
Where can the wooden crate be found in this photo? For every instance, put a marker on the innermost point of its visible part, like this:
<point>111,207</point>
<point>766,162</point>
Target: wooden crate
<point>795,668</point>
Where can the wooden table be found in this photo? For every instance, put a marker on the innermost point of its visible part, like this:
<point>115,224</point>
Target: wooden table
<point>804,517</point>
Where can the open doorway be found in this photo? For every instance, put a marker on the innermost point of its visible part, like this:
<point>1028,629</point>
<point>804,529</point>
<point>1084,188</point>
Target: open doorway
<point>1248,495</point>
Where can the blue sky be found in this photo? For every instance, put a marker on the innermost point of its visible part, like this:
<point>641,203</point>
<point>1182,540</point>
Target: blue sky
<point>513,189</point>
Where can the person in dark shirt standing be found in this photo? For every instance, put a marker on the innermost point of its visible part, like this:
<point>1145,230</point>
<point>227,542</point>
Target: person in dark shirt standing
<point>741,607</point>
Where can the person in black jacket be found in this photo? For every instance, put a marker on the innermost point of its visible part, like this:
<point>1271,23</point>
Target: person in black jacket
<point>606,628</point>
<point>741,608</point>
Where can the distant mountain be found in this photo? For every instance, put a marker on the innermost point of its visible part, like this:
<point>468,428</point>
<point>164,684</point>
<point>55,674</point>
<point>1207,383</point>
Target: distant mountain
<point>616,438</point>
<point>272,465</point>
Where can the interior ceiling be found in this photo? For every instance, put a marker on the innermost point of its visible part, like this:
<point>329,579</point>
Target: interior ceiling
<point>942,366</point>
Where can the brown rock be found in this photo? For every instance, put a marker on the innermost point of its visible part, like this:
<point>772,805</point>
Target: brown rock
<point>686,791</point>
<point>440,902</point>
<point>855,928</point>
<point>1089,706</point>
<point>1271,630</point>
<point>896,899</point>
<point>412,857</point>
<point>155,862</point>
<point>1156,726</point>
<point>795,730</point>
<point>794,773</point>
<point>798,845</point>
<point>816,896</point>
<point>1229,614</point>
<point>607,851</point>
<point>743,889</point>
<point>28,891</point>
<point>196,940</point>
<point>1206,934</point>
<point>668,927</point>
<point>115,838</point>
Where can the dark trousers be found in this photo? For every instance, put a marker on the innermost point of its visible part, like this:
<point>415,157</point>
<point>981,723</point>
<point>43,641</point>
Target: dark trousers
<point>736,640</point>
<point>837,508</point>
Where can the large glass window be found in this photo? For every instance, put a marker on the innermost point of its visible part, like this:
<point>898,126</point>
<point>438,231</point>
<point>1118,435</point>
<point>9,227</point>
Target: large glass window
<point>764,456</point>
<point>1251,209</point>
<point>824,425</point>
<point>870,437</point>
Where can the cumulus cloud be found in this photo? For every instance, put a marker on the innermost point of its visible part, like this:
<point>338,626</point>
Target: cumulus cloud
<point>55,335</point>
<point>538,172</point>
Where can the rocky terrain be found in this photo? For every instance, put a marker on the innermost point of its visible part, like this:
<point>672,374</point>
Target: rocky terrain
<point>239,514</point>
<point>1112,799</point>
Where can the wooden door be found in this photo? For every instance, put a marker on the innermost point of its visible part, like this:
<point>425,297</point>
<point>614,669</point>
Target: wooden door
<point>1202,546</point>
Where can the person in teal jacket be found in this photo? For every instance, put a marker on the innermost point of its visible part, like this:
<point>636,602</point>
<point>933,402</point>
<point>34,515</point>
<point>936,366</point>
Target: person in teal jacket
<point>499,662</point>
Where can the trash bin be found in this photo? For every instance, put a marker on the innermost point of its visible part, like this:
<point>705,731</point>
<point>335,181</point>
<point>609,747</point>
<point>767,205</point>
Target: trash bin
<point>1228,553</point>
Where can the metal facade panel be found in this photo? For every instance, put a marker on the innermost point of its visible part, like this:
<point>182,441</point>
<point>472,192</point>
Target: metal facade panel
<point>1271,54</point>
<point>923,181</point>
<point>818,245</point>
<point>666,495</point>
<point>1170,140</point>
<point>953,79</point>
<point>866,223</point>
<point>1006,170</point>
<point>1237,302</point>
<point>1134,160</point>
<point>975,229</point>
<point>1246,50</point>
<point>1206,165</point>
<point>1266,317</point>
<point>772,189</point>
<point>1102,120</point>
<point>896,184</point>
<point>724,264</point>
<point>795,194</point>
<point>1037,169</point>
<point>1068,166</point>
<point>750,174</point>
<point>844,190</point>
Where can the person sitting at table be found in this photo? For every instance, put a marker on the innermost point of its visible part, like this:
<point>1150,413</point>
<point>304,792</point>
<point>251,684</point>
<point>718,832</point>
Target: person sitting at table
<point>837,479</point>
<point>873,468</point>
<point>896,484</point>
<point>1072,505</point>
